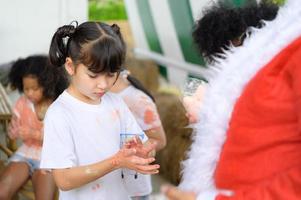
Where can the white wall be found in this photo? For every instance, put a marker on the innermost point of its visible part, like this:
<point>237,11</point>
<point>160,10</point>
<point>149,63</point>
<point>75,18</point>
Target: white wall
<point>26,26</point>
<point>197,7</point>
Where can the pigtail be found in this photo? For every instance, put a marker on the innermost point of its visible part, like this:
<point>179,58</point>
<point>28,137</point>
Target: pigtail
<point>116,30</point>
<point>61,80</point>
<point>59,44</point>
<point>137,84</point>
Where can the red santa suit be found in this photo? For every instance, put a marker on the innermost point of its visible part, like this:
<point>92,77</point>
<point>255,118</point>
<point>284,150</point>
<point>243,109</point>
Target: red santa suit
<point>247,144</point>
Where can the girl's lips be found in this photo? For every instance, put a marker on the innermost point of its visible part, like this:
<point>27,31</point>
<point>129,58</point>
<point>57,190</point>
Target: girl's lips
<point>100,94</point>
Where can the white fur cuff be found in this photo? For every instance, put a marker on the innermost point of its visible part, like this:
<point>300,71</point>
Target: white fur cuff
<point>207,195</point>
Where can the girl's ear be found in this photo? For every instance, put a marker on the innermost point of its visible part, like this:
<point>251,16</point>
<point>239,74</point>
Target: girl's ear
<point>69,66</point>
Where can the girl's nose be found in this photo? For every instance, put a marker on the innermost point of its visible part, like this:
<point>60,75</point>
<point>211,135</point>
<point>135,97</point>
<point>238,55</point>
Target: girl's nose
<point>29,93</point>
<point>102,84</point>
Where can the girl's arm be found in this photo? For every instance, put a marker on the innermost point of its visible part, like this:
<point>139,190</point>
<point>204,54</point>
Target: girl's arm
<point>13,128</point>
<point>21,130</point>
<point>157,135</point>
<point>71,178</point>
<point>26,133</point>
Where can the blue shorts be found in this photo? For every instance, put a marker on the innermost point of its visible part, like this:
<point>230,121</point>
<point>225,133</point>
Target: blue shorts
<point>146,197</point>
<point>32,163</point>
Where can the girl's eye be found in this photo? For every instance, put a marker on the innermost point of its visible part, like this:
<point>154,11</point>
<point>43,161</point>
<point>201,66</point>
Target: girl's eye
<point>92,76</point>
<point>111,74</point>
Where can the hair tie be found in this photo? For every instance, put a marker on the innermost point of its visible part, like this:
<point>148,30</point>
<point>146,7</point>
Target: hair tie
<point>71,30</point>
<point>116,28</point>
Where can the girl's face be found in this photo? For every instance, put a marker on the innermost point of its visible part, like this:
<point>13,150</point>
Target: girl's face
<point>32,90</point>
<point>88,86</point>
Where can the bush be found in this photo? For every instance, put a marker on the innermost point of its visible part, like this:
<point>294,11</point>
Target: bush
<point>107,10</point>
<point>279,2</point>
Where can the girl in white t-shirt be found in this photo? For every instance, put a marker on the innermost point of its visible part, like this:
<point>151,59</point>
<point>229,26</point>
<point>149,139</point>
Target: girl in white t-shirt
<point>84,125</point>
<point>142,104</point>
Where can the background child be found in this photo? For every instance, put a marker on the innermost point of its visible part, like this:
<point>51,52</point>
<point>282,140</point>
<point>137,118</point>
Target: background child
<point>85,123</point>
<point>141,104</point>
<point>226,27</point>
<point>40,84</point>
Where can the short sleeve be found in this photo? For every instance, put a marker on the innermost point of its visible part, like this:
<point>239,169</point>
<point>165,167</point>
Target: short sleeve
<point>58,147</point>
<point>146,113</point>
<point>142,107</point>
<point>13,130</point>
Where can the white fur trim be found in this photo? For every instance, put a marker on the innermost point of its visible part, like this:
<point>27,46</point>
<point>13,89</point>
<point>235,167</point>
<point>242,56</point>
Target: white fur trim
<point>225,88</point>
<point>207,195</point>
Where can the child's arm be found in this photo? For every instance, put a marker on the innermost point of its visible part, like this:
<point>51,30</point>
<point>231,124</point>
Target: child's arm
<point>156,135</point>
<point>13,129</point>
<point>19,130</point>
<point>71,178</point>
<point>146,114</point>
<point>144,150</point>
<point>26,133</point>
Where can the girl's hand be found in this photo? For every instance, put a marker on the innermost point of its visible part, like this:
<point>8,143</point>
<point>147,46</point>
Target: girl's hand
<point>24,132</point>
<point>127,158</point>
<point>29,133</point>
<point>173,193</point>
<point>14,127</point>
<point>192,105</point>
<point>142,150</point>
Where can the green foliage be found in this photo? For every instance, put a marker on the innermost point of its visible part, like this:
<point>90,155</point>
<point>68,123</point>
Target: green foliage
<point>278,2</point>
<point>107,10</point>
<point>236,3</point>
<point>243,3</point>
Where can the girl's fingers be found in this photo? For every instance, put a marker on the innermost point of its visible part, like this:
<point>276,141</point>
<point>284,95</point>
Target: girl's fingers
<point>148,172</point>
<point>128,152</point>
<point>144,151</point>
<point>142,161</point>
<point>127,145</point>
<point>152,146</point>
<point>135,141</point>
<point>148,168</point>
<point>138,140</point>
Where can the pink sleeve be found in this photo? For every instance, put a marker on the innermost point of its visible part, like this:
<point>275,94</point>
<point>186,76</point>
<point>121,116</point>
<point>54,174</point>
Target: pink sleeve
<point>24,124</point>
<point>14,126</point>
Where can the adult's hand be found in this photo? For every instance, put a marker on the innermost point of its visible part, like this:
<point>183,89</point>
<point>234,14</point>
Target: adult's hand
<point>174,193</point>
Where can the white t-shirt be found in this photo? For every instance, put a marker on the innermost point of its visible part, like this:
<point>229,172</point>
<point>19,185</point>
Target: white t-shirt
<point>77,133</point>
<point>146,114</point>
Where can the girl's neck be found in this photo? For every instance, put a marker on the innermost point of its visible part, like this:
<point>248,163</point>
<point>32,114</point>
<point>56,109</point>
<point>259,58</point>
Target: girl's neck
<point>73,91</point>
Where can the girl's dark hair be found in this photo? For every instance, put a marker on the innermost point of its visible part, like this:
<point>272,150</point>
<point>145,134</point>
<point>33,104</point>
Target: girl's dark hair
<point>253,15</point>
<point>221,24</point>
<point>52,79</point>
<point>97,45</point>
<point>137,84</point>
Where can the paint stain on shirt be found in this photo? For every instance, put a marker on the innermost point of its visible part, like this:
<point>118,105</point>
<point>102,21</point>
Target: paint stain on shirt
<point>149,116</point>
